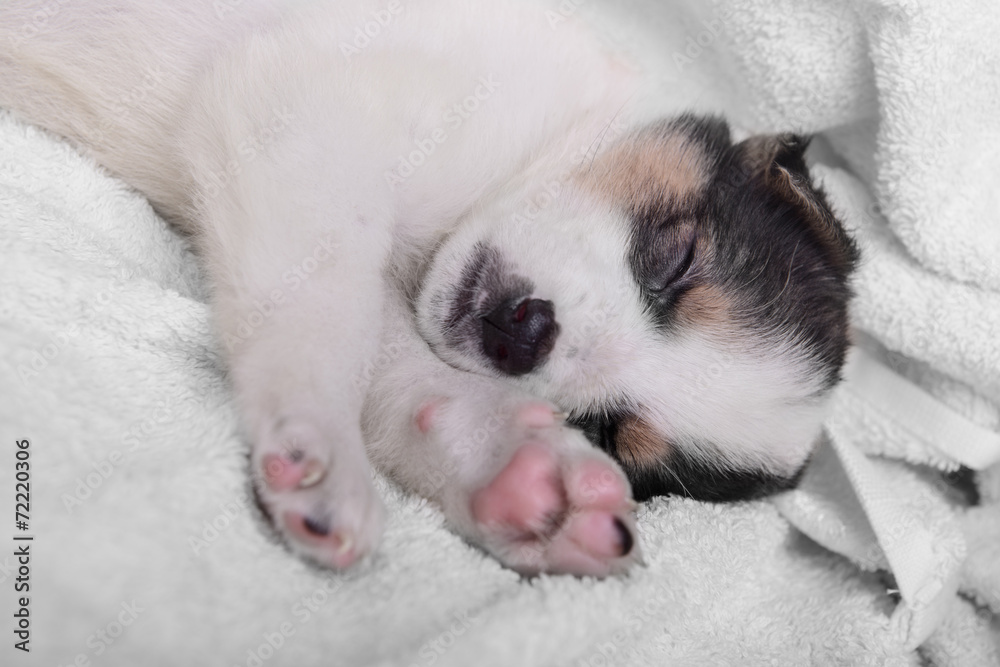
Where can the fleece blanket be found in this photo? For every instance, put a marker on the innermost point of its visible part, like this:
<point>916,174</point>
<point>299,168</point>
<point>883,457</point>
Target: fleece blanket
<point>146,548</point>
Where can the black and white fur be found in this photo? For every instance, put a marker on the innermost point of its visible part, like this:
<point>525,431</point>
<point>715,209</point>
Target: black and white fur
<point>430,247</point>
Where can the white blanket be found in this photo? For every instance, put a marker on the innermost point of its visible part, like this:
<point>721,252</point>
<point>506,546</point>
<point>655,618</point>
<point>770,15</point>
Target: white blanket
<point>147,550</point>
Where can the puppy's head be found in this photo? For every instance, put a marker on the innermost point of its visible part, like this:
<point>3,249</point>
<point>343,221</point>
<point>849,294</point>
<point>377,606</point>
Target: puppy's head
<point>683,297</point>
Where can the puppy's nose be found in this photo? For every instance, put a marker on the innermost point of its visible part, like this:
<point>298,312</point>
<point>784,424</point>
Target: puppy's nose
<point>518,336</point>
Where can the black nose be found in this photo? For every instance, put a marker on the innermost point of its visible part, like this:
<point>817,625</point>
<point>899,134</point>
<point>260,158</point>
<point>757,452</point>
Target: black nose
<point>518,336</point>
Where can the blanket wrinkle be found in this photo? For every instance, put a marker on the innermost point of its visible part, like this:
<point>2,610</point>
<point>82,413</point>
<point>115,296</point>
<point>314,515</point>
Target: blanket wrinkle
<point>922,204</point>
<point>110,369</point>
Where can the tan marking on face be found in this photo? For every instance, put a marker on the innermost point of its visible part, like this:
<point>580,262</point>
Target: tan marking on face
<point>707,306</point>
<point>646,167</point>
<point>639,445</point>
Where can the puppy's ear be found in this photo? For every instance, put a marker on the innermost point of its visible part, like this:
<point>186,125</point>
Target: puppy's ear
<point>782,150</point>
<point>778,162</point>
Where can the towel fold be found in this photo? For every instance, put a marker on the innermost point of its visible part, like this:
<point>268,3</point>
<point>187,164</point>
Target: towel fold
<point>907,95</point>
<point>140,498</point>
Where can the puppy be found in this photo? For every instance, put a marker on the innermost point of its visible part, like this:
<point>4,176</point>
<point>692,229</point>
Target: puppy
<point>454,240</point>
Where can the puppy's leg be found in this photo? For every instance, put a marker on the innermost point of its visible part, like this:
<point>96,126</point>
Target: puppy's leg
<point>301,400</point>
<point>301,405</point>
<point>298,294</point>
<point>509,475</point>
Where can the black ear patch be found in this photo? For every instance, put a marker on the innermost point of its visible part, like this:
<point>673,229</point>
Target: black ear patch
<point>779,162</point>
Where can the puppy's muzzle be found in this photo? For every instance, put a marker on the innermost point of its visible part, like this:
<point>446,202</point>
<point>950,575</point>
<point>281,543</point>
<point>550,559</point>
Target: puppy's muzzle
<point>519,335</point>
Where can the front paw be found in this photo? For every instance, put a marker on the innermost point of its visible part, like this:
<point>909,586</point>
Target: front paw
<point>318,492</point>
<point>550,502</point>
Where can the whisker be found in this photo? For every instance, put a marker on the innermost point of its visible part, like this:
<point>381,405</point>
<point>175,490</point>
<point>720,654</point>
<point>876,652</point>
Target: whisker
<point>680,482</point>
<point>599,140</point>
<point>759,273</point>
<point>788,280</point>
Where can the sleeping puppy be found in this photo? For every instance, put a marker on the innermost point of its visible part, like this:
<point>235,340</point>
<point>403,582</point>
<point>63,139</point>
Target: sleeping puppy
<point>457,242</point>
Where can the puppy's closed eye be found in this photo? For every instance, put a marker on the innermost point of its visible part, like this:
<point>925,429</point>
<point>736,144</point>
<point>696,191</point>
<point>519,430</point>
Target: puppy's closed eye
<point>671,261</point>
<point>666,267</point>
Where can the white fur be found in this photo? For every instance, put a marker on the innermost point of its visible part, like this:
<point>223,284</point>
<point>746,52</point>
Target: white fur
<point>712,387</point>
<point>254,128</point>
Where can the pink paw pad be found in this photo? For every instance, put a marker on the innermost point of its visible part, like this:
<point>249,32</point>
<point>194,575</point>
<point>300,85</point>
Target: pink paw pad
<point>601,534</point>
<point>526,496</point>
<point>558,515</point>
<point>295,471</point>
<point>426,415</point>
<point>594,484</point>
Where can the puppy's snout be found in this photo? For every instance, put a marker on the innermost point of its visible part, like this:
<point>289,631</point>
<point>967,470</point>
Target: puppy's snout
<point>519,335</point>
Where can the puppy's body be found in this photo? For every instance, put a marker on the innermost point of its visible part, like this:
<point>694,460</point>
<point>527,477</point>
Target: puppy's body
<point>489,177</point>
